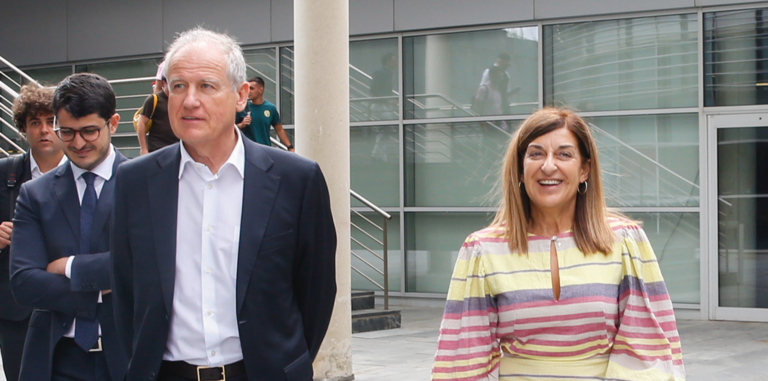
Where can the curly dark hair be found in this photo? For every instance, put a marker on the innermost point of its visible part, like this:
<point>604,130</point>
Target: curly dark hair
<point>33,100</point>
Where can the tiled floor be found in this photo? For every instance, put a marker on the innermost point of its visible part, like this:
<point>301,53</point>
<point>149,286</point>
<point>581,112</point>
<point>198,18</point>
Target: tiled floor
<point>712,351</point>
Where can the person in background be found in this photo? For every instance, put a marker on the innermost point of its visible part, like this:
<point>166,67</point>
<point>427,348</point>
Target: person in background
<point>260,115</point>
<point>561,285</point>
<point>161,134</point>
<point>33,116</point>
<point>60,260</point>
<point>383,86</point>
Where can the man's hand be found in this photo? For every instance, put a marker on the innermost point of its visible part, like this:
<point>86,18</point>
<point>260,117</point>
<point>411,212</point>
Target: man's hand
<point>58,266</point>
<point>6,228</point>
<point>246,121</point>
<point>292,150</point>
<point>143,151</point>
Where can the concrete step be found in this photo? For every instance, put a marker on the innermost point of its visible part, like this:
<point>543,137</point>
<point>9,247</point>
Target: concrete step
<point>375,320</point>
<point>363,300</point>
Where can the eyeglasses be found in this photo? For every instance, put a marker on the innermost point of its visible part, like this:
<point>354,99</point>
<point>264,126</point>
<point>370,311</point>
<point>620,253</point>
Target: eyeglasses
<point>88,134</point>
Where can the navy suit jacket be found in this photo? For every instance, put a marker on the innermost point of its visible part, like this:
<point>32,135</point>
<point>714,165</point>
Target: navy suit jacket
<point>47,227</point>
<point>286,282</point>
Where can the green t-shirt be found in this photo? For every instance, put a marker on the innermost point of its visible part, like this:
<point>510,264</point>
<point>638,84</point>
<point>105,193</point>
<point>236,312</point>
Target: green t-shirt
<point>262,117</point>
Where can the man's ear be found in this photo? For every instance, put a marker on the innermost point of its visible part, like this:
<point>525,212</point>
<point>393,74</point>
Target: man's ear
<point>242,94</point>
<point>113,121</point>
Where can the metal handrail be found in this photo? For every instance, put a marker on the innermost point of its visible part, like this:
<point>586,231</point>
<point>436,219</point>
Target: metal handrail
<point>131,80</point>
<point>17,70</point>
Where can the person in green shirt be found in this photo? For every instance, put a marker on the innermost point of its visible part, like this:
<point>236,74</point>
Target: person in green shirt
<point>260,115</point>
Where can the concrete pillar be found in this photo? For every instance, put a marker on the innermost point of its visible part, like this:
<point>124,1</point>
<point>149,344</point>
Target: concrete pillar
<point>321,73</point>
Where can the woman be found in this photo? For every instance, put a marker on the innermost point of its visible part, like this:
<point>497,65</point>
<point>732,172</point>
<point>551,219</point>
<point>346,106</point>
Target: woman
<point>563,287</point>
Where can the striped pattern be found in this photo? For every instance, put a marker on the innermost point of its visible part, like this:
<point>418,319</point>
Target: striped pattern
<point>614,319</point>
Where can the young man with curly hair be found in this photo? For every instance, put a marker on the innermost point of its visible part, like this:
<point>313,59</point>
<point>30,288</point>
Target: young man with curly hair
<point>33,116</point>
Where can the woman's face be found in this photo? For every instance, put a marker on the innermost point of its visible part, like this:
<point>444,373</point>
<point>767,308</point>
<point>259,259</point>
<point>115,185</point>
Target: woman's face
<point>553,168</point>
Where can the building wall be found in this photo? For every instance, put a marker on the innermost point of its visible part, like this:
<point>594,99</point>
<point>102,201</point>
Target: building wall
<point>43,32</point>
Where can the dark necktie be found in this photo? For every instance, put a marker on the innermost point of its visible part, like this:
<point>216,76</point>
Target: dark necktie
<point>87,331</point>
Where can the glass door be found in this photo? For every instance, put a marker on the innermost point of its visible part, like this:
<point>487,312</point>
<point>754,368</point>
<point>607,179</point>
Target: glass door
<point>739,216</point>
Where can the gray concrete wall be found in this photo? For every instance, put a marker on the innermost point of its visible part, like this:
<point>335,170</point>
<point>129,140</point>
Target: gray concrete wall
<point>40,32</point>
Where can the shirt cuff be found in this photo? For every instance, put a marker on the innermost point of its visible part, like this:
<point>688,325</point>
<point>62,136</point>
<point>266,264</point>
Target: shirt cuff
<point>68,269</point>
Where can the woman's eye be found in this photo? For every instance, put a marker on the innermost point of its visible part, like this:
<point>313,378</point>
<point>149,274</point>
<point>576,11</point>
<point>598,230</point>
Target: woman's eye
<point>566,154</point>
<point>534,154</point>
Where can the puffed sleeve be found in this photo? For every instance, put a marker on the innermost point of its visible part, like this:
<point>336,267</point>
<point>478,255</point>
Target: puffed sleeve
<point>647,345</point>
<point>467,348</point>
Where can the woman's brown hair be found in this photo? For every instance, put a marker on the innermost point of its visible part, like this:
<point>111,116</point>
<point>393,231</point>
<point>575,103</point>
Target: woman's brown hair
<point>591,229</point>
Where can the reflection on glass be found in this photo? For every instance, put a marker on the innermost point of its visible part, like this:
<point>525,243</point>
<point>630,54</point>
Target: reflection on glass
<point>490,72</point>
<point>735,52</point>
<point>130,96</point>
<point>373,80</point>
<point>622,64</point>
<point>50,76</point>
<point>261,63</point>
<point>649,160</point>
<point>374,257</point>
<point>432,243</point>
<point>675,241</point>
<point>374,163</point>
<point>742,205</point>
<point>286,85</point>
<point>454,164</point>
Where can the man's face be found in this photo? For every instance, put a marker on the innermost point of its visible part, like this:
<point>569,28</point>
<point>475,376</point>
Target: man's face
<point>201,102</point>
<point>254,90</point>
<point>84,154</point>
<point>40,135</point>
<point>503,64</point>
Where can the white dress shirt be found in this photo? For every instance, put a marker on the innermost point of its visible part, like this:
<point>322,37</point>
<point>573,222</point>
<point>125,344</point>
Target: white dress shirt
<point>203,326</point>
<point>103,173</point>
<point>35,169</point>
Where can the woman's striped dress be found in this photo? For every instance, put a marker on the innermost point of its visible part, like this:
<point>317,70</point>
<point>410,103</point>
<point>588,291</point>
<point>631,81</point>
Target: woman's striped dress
<point>613,321</point>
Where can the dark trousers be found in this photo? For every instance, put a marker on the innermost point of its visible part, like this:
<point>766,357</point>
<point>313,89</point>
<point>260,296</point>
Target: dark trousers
<point>166,377</point>
<point>71,363</point>
<point>12,336</point>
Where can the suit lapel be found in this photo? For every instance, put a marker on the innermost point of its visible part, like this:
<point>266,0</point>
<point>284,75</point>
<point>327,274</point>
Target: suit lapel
<point>259,193</point>
<point>104,205</point>
<point>163,195</point>
<point>66,194</point>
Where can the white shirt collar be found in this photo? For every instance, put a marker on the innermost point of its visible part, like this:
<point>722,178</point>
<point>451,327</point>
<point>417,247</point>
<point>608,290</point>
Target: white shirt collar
<point>103,170</point>
<point>35,169</point>
<point>236,157</point>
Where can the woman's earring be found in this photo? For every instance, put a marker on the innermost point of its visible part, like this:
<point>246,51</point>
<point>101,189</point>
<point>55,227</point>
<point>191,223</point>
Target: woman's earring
<point>586,186</point>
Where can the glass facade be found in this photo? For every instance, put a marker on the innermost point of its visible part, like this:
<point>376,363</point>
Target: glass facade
<point>454,164</point>
<point>649,160</point>
<point>736,57</point>
<point>432,113</point>
<point>628,64</point>
<point>450,75</point>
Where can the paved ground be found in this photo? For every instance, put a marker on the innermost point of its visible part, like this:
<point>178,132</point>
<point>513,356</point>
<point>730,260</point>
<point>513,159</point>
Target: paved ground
<point>713,351</point>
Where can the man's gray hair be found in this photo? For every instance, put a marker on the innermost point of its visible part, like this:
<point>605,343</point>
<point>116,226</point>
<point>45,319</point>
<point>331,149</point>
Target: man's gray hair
<point>226,44</point>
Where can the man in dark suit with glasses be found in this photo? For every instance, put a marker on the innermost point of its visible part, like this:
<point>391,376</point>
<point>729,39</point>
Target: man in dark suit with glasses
<point>60,261</point>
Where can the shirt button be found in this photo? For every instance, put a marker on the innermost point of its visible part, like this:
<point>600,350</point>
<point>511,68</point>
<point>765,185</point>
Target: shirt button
<point>208,228</point>
<point>210,185</point>
<point>208,270</point>
<point>213,353</point>
<point>209,314</point>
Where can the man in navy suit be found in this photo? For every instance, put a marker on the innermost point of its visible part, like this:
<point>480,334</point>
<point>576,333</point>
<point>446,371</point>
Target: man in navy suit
<point>60,261</point>
<point>223,250</point>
